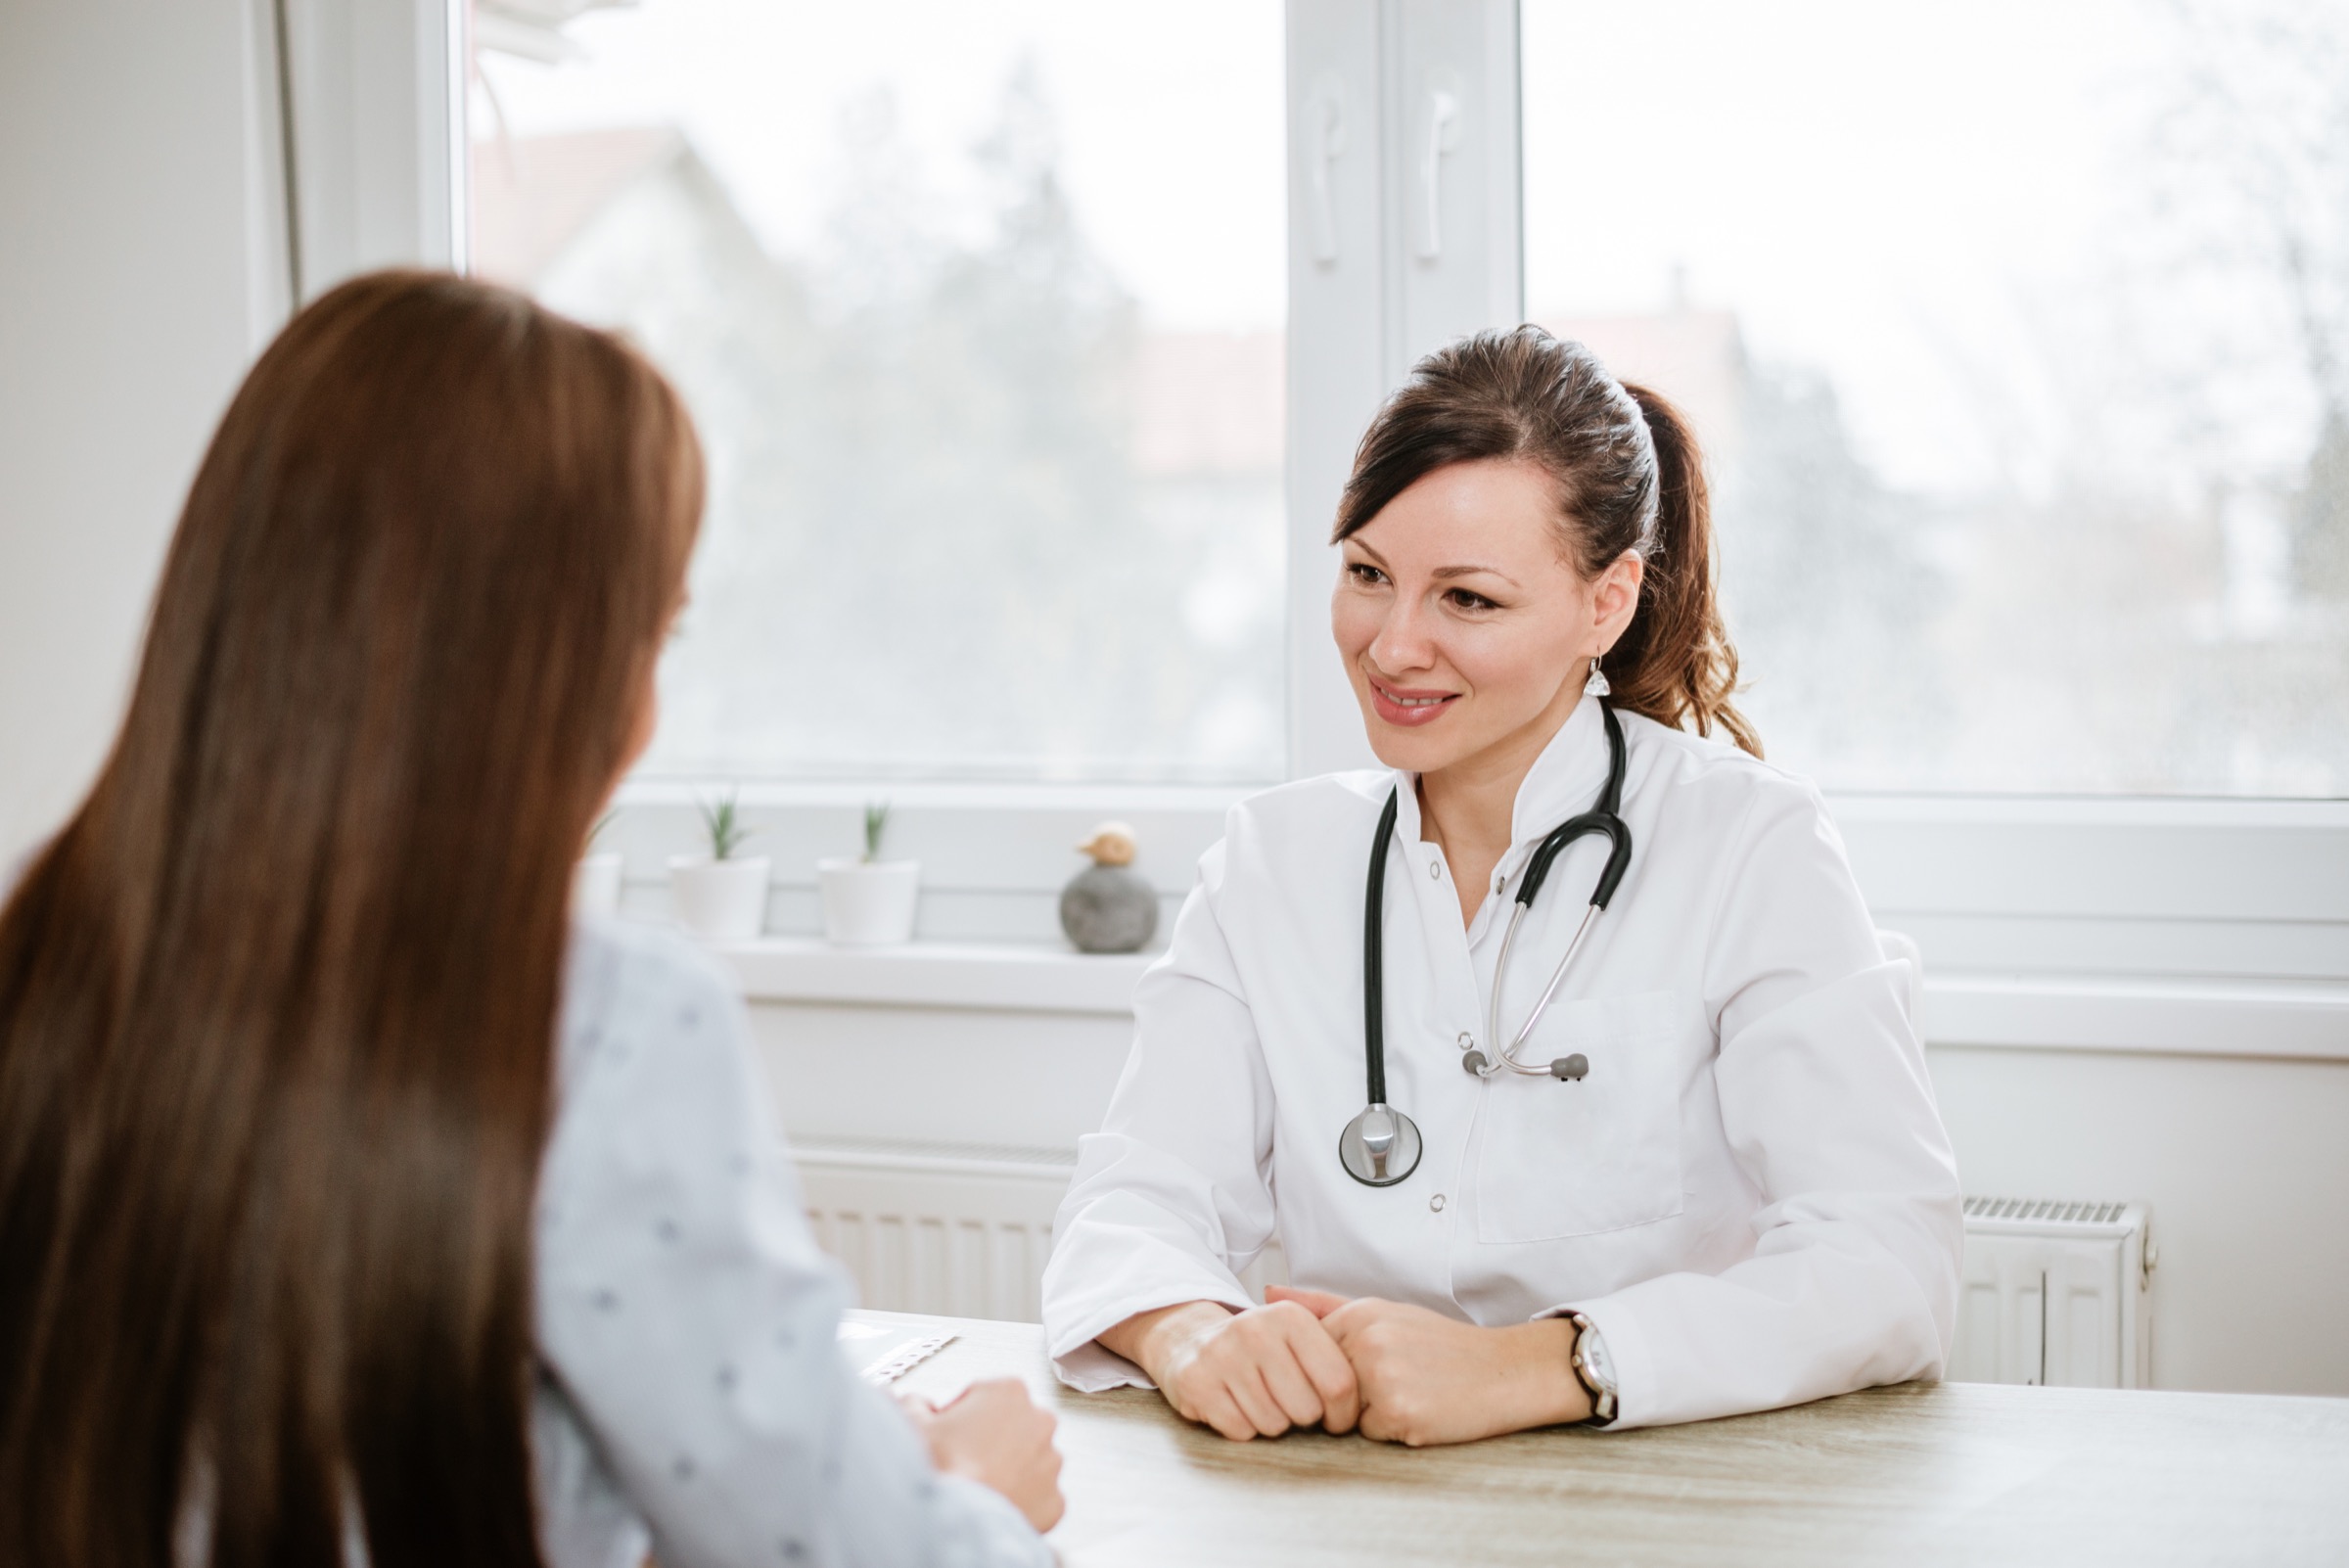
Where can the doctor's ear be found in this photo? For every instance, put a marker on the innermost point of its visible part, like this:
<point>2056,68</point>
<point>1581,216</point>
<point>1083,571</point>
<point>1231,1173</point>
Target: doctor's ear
<point>1615,596</point>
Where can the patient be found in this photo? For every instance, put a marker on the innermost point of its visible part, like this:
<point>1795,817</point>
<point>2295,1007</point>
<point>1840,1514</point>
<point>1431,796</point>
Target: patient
<point>354,1206</point>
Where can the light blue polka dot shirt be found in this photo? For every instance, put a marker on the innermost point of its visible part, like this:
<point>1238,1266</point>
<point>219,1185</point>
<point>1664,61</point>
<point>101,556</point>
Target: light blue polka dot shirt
<point>692,1399</point>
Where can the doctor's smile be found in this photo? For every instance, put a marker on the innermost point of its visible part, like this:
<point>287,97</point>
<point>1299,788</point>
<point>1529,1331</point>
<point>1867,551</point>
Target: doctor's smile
<point>1402,707</point>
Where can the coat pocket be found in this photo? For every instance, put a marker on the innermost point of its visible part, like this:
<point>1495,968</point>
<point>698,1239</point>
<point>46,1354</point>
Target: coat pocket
<point>1560,1159</point>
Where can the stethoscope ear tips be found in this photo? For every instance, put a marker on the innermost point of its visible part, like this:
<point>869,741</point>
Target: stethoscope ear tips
<point>1474,1063</point>
<point>1572,1069</point>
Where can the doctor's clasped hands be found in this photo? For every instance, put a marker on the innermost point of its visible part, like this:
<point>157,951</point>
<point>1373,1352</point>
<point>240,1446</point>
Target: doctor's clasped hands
<point>1253,1374</point>
<point>1398,1373</point>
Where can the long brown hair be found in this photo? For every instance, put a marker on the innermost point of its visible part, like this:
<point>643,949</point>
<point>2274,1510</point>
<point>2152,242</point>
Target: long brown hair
<point>1629,478</point>
<point>277,1004</point>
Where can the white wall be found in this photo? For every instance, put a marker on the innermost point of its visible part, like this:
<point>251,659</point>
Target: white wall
<point>2243,1160</point>
<point>138,273</point>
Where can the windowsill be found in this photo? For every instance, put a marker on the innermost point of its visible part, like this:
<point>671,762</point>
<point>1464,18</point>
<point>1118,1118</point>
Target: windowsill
<point>2302,1019</point>
<point>1105,797</point>
<point>1017,978</point>
<point>2305,1020</point>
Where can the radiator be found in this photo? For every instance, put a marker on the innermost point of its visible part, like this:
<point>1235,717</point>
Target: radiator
<point>960,1229</point>
<point>2055,1293</point>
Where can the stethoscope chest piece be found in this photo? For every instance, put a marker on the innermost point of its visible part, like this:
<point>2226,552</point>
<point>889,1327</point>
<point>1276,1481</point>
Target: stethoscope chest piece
<point>1379,1147</point>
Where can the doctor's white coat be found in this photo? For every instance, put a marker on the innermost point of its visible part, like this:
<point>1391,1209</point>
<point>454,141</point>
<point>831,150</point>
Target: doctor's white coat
<point>1751,1194</point>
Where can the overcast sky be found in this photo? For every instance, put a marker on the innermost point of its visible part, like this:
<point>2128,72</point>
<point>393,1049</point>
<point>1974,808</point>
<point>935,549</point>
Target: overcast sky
<point>1171,117</point>
<point>1883,191</point>
<point>1898,195</point>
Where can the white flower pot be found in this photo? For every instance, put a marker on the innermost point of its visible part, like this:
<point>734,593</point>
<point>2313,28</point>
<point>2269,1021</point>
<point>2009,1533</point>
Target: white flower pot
<point>595,885</point>
<point>868,903</point>
<point>719,900</point>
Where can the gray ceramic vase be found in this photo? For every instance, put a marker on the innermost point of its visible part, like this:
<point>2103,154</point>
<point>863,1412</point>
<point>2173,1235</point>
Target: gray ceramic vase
<point>1109,906</point>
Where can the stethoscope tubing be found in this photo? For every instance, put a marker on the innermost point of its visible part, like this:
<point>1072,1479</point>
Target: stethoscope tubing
<point>1500,967</point>
<point>1374,958</point>
<point>1384,1137</point>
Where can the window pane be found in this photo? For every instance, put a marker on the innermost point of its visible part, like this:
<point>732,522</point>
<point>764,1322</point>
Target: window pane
<point>2019,335</point>
<point>980,313</point>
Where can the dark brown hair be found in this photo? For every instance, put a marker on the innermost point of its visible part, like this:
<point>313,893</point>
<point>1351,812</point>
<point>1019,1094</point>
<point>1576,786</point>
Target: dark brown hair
<point>1628,477</point>
<point>277,1004</point>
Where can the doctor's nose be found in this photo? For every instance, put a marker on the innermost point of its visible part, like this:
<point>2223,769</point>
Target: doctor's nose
<point>1402,643</point>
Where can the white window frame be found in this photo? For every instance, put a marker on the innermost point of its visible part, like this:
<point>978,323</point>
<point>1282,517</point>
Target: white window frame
<point>374,153</point>
<point>2205,926</point>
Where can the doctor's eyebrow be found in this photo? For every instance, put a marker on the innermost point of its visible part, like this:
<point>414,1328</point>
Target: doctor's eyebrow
<point>1440,574</point>
<point>1444,573</point>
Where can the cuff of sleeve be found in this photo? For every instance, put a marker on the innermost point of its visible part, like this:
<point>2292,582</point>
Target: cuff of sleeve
<point>981,1528</point>
<point>1627,1347</point>
<point>1082,1361</point>
<point>1092,1367</point>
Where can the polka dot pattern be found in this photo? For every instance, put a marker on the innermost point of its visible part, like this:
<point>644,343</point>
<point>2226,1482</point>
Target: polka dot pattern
<point>693,1405</point>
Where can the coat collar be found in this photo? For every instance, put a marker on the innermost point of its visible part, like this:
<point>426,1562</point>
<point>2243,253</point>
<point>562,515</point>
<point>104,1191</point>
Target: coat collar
<point>1564,780</point>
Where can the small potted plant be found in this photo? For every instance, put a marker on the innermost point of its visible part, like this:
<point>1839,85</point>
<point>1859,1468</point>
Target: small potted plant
<point>596,881</point>
<point>720,897</point>
<point>869,902</point>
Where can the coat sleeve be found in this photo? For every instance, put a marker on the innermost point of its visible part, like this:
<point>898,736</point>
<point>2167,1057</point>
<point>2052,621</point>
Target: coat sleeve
<point>1171,1197</point>
<point>685,1313</point>
<point>1828,1110</point>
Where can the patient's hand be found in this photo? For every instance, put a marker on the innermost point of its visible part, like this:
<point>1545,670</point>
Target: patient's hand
<point>1427,1379</point>
<point>994,1434</point>
<point>1246,1374</point>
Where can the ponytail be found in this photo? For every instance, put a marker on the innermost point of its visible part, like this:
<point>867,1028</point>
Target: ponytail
<point>1629,479</point>
<point>1675,663</point>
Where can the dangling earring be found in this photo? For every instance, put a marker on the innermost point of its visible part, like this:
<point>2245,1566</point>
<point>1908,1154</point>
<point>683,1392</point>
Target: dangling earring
<point>1596,685</point>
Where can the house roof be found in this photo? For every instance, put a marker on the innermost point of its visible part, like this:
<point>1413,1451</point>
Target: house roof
<point>532,195</point>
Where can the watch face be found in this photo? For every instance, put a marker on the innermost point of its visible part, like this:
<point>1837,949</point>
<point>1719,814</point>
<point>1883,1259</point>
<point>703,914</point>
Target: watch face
<point>1592,1346</point>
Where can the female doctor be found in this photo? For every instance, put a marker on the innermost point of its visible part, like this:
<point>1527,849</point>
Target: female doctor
<point>1692,1169</point>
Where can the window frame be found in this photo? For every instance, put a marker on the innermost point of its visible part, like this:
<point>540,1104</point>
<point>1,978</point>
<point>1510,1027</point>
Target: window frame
<point>2121,899</point>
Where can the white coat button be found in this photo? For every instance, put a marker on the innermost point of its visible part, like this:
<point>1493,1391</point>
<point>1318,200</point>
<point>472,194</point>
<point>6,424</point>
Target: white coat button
<point>1436,1203</point>
<point>1435,868</point>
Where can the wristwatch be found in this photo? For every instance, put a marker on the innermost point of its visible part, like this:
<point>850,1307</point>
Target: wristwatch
<point>1595,1369</point>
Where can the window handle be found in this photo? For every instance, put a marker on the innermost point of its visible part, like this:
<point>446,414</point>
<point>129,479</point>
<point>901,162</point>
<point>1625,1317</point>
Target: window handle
<point>1442,136</point>
<point>1325,140</point>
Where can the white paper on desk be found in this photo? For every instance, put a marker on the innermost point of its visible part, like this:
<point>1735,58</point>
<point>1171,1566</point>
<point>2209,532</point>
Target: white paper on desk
<point>882,1353</point>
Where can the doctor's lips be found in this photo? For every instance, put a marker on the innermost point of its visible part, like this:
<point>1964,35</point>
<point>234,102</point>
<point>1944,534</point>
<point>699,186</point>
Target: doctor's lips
<point>1400,705</point>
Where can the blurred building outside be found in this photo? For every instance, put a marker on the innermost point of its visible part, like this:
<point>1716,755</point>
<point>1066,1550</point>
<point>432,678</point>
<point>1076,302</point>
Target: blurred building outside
<point>967,521</point>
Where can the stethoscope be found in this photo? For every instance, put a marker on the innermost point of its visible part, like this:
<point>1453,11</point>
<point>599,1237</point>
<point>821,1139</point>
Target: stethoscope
<point>1381,1146</point>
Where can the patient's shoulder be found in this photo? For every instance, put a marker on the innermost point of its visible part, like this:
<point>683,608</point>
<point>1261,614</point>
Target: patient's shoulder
<point>629,977</point>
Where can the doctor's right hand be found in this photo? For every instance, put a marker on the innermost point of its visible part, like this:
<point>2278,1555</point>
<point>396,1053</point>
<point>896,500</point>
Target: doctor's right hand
<point>1247,1374</point>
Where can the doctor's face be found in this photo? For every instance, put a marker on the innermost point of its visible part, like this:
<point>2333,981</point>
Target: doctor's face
<point>1465,626</point>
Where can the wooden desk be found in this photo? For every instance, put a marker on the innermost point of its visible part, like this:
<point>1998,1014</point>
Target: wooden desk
<point>1914,1475</point>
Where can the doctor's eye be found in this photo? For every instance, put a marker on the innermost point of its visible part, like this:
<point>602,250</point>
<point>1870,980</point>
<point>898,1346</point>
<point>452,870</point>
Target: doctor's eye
<point>1364,574</point>
<point>1462,599</point>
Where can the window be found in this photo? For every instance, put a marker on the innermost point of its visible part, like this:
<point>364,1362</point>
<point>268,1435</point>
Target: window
<point>1032,341</point>
<point>980,313</point>
<point>2017,334</point>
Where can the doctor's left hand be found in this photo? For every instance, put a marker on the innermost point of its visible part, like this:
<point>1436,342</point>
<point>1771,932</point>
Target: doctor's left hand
<point>1427,1379</point>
